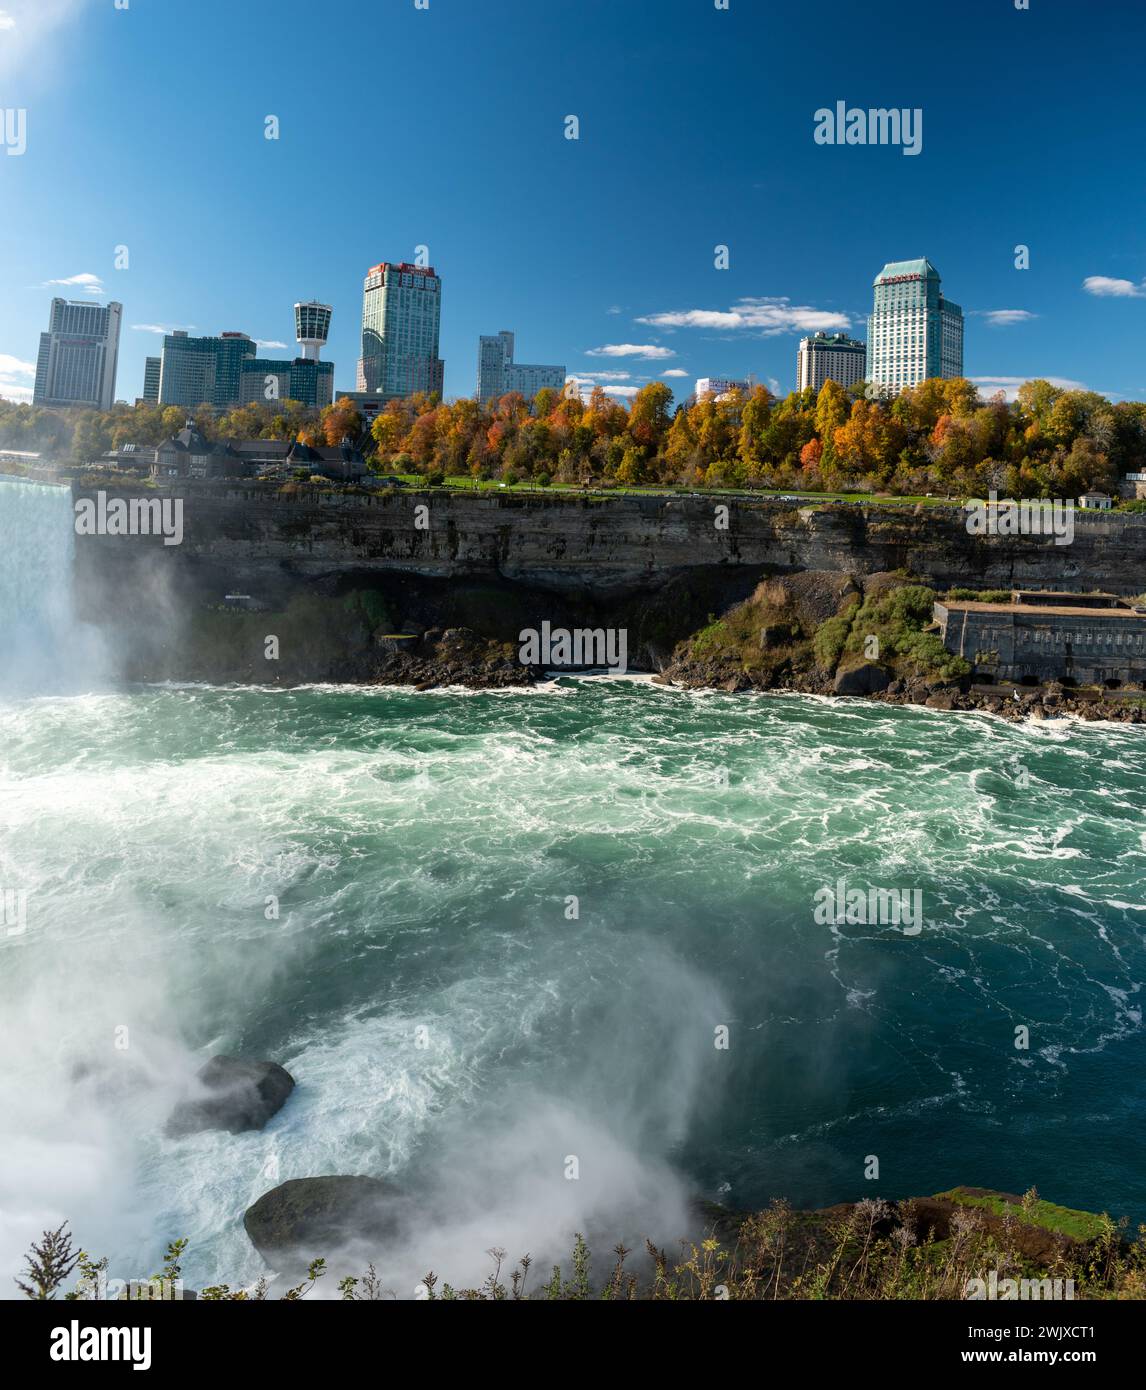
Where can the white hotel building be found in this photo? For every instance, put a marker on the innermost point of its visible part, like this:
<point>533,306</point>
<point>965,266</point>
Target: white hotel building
<point>829,357</point>
<point>79,355</point>
<point>914,333</point>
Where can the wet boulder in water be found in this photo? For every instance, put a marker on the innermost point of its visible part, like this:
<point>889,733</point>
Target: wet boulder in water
<point>312,1218</point>
<point>234,1095</point>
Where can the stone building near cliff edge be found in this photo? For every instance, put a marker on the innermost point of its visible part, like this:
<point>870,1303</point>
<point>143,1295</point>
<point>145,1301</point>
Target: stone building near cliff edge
<point>1081,639</point>
<point>190,454</point>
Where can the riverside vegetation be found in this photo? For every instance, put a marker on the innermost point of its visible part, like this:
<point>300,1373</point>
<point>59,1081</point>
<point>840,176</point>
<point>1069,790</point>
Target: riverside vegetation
<point>939,437</point>
<point>815,627</point>
<point>827,633</point>
<point>950,1246</point>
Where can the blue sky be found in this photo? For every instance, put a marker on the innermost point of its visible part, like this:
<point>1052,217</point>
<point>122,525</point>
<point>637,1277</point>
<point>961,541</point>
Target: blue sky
<point>446,127</point>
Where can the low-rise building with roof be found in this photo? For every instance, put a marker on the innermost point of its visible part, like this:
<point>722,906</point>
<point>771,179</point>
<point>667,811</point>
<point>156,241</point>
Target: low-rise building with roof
<point>1081,639</point>
<point>190,454</point>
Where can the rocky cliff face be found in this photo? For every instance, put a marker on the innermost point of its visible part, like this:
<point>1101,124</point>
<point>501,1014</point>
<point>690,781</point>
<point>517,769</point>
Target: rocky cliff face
<point>496,562</point>
<point>572,542</point>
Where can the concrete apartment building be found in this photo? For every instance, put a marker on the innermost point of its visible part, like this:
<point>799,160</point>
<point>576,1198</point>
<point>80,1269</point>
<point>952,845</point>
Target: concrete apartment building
<point>498,373</point>
<point>370,404</point>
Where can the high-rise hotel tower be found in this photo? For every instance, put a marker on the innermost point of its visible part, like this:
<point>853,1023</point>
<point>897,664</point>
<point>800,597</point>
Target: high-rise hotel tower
<point>914,332</point>
<point>401,315</point>
<point>78,356</point>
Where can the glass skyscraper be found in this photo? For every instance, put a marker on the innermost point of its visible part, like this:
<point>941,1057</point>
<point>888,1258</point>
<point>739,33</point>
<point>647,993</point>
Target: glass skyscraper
<point>401,317</point>
<point>203,371</point>
<point>151,369</point>
<point>79,355</point>
<point>304,380</point>
<point>914,333</point>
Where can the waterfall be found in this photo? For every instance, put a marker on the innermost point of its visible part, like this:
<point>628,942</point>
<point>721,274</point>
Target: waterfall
<point>43,647</point>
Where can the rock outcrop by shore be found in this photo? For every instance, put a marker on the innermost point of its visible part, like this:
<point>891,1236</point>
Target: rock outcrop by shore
<point>456,657</point>
<point>310,1218</point>
<point>460,658</point>
<point>777,641</point>
<point>1015,704</point>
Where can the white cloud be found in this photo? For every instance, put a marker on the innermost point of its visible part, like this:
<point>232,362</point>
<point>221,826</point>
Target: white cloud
<point>609,376</point>
<point>157,328</point>
<point>585,385</point>
<point>7,22</point>
<point>1106,288</point>
<point>775,387</point>
<point>674,371</point>
<point>1004,318</point>
<point>85,281</point>
<point>613,309</point>
<point>16,378</point>
<point>1009,385</point>
<point>649,353</point>
<point>268,344</point>
<point>767,316</point>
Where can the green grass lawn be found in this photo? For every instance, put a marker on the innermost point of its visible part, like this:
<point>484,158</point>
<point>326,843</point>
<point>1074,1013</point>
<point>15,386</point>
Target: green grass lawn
<point>1080,1225</point>
<point>467,484</point>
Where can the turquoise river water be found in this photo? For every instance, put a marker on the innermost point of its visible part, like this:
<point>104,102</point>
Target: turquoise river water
<point>549,960</point>
<point>455,1023</point>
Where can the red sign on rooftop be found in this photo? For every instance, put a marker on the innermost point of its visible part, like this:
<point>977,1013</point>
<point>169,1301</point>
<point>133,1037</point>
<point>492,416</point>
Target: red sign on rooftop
<point>406,266</point>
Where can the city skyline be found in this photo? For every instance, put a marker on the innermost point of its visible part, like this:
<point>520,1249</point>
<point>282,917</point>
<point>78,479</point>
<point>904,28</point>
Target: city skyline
<point>497,370</point>
<point>605,282</point>
<point>907,300</point>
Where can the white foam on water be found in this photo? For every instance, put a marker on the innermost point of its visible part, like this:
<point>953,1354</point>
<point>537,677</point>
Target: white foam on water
<point>422,866</point>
